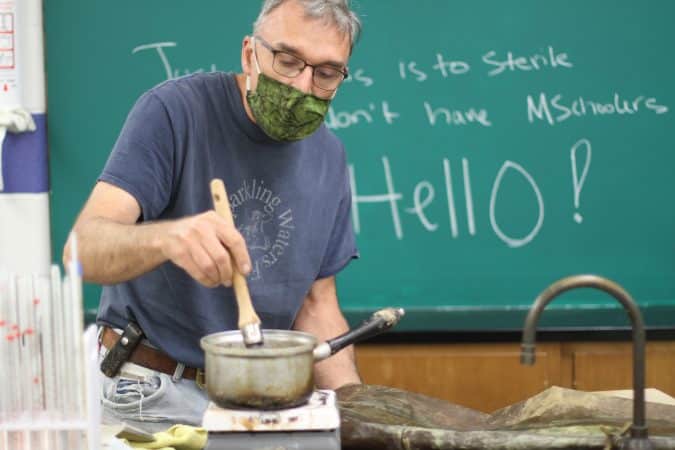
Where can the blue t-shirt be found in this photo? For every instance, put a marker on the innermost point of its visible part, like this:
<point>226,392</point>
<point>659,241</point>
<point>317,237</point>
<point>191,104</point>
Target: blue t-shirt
<point>291,202</point>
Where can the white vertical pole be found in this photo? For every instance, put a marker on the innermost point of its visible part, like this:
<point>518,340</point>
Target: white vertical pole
<point>24,196</point>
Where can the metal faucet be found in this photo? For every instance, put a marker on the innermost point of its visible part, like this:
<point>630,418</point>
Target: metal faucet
<point>638,432</point>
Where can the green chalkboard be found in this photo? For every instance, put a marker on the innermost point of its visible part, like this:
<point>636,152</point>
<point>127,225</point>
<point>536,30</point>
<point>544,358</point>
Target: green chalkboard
<point>495,146</point>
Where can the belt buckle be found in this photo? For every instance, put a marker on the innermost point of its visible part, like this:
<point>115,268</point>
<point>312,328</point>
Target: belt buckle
<point>200,379</point>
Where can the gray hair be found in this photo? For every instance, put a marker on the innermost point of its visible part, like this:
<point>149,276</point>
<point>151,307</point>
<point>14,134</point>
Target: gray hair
<point>334,12</point>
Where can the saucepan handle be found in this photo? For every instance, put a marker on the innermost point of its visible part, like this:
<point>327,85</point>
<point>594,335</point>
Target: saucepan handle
<point>379,322</point>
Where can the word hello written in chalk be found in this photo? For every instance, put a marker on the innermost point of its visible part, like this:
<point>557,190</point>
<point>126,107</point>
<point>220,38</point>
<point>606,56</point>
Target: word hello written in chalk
<point>424,194</point>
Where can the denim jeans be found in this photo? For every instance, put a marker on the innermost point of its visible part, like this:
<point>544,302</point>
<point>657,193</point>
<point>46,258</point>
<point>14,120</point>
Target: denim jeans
<point>150,400</point>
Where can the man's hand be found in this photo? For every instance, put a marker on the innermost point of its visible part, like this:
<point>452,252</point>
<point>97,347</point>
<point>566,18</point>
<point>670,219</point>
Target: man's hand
<point>114,248</point>
<point>200,244</point>
<point>320,315</point>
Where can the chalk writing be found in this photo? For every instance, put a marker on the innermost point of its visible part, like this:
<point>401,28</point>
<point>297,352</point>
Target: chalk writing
<point>554,109</point>
<point>449,68</point>
<point>336,120</point>
<point>419,204</point>
<point>356,75</point>
<point>511,241</point>
<point>452,212</point>
<point>468,196</point>
<point>551,59</point>
<point>457,117</point>
<point>542,107</point>
<point>424,195</point>
<point>359,76</point>
<point>169,71</point>
<point>548,108</point>
<point>510,63</point>
<point>392,197</point>
<point>578,182</point>
<point>405,67</point>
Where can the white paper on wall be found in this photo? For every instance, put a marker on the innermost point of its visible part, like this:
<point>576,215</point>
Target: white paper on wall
<point>10,89</point>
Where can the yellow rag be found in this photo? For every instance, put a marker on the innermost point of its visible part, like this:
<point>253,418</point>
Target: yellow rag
<point>178,437</point>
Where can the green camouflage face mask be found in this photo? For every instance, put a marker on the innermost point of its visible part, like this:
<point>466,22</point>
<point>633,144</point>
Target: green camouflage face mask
<point>283,112</point>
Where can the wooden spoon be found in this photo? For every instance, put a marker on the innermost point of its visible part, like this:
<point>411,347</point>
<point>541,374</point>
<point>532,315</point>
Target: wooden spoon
<point>249,322</point>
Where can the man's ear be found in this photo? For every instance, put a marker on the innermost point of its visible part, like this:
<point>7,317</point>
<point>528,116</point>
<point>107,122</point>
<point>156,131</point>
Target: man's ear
<point>247,55</point>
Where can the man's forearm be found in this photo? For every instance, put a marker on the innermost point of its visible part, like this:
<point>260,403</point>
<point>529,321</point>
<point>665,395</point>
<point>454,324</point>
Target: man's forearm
<point>340,368</point>
<point>112,252</point>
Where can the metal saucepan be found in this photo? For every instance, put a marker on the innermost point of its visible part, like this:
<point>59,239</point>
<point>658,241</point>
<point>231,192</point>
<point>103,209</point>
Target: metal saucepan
<point>278,374</point>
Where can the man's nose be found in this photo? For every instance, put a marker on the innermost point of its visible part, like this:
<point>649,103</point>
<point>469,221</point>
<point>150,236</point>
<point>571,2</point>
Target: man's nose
<point>304,81</point>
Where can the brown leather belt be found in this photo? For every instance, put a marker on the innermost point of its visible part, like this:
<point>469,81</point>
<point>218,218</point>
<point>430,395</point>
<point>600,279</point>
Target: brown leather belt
<point>152,358</point>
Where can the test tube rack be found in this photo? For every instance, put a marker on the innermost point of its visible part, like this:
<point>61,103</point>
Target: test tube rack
<point>49,378</point>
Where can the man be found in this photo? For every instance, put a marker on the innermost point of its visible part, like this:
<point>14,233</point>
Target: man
<point>149,235</point>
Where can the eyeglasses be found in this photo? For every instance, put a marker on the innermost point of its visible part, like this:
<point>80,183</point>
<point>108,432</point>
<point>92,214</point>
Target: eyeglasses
<point>324,76</point>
